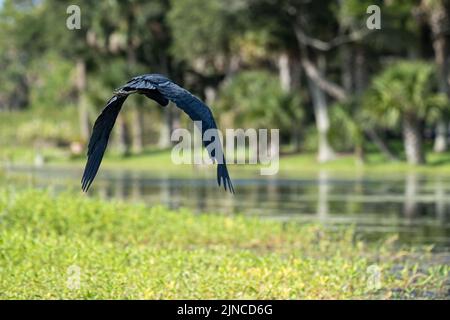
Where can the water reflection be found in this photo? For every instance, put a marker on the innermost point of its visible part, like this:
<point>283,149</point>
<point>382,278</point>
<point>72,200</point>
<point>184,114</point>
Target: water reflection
<point>440,203</point>
<point>322,195</point>
<point>411,204</point>
<point>414,206</point>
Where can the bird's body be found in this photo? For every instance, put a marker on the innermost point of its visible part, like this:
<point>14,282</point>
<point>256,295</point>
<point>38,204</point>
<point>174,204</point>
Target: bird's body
<point>159,88</point>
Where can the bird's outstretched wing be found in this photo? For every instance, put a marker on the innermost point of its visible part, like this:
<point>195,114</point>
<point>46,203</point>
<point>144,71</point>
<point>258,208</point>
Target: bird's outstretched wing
<point>99,139</point>
<point>161,90</point>
<point>197,111</point>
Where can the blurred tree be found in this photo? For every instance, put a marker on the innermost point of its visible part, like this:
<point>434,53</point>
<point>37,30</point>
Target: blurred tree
<point>347,129</point>
<point>124,38</point>
<point>405,93</point>
<point>436,14</point>
<point>203,33</point>
<point>50,89</point>
<point>21,19</point>
<point>200,32</point>
<point>147,44</point>
<point>227,52</point>
<point>73,45</point>
<point>279,49</point>
<point>399,34</point>
<point>255,99</point>
<point>300,20</point>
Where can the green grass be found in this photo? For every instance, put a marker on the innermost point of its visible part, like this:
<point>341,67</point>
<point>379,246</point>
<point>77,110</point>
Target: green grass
<point>49,132</point>
<point>25,134</point>
<point>130,251</point>
<point>290,166</point>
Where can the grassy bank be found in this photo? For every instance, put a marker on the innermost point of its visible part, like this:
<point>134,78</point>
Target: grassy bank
<point>294,165</point>
<point>129,251</point>
<point>24,135</point>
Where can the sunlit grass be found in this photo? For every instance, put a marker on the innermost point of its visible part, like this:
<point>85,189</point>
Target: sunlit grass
<point>25,135</point>
<point>130,251</point>
<point>293,165</point>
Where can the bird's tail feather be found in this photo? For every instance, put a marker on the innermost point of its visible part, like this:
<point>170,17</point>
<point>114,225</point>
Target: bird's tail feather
<point>222,175</point>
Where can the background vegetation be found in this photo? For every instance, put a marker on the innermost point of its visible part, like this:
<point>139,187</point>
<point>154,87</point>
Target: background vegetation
<point>313,70</point>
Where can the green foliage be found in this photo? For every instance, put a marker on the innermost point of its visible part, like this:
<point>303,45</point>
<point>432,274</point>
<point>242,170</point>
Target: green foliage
<point>129,251</point>
<point>224,45</point>
<point>14,60</point>
<point>404,87</point>
<point>49,76</point>
<point>353,13</point>
<point>198,28</point>
<point>38,126</point>
<point>255,99</point>
<point>346,126</point>
<point>204,30</point>
<point>252,46</point>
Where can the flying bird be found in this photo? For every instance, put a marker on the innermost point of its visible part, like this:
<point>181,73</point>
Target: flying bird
<point>161,90</point>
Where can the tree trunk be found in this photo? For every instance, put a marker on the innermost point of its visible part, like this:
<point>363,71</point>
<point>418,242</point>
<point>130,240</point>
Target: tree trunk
<point>283,71</point>
<point>360,63</point>
<point>138,130</point>
<point>19,98</point>
<point>165,129</point>
<point>289,72</point>
<point>323,193</point>
<point>123,138</point>
<point>210,95</point>
<point>380,144</point>
<point>410,205</point>
<point>296,138</point>
<point>168,113</point>
<point>83,110</point>
<point>359,153</point>
<point>440,199</point>
<point>347,67</point>
<point>319,100</point>
<point>440,141</point>
<point>439,24</point>
<point>412,137</point>
<point>325,152</point>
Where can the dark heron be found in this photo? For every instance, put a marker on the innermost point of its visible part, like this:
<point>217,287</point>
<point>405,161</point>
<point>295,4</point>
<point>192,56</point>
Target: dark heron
<point>162,90</point>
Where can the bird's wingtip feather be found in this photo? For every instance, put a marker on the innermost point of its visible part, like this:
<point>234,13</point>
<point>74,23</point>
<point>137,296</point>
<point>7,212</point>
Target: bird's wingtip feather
<point>223,175</point>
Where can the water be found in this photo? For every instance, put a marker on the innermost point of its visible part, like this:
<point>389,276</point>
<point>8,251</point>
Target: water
<point>414,206</point>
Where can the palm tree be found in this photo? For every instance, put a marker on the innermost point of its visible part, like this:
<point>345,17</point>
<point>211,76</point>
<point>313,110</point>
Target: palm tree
<point>404,94</point>
<point>437,16</point>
